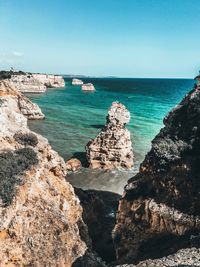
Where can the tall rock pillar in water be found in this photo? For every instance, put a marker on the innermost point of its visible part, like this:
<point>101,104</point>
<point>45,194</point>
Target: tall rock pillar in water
<point>112,148</point>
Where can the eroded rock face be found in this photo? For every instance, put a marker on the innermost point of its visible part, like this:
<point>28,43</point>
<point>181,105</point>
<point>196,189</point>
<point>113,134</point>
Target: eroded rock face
<point>26,107</point>
<point>160,208</point>
<point>40,216</point>
<point>49,80</point>
<point>28,84</point>
<point>36,83</point>
<point>112,148</point>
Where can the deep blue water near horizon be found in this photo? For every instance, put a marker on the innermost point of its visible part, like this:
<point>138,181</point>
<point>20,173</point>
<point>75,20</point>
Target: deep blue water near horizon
<point>73,117</point>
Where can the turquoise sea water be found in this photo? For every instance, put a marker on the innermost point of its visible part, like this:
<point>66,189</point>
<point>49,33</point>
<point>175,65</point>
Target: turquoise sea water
<point>73,117</point>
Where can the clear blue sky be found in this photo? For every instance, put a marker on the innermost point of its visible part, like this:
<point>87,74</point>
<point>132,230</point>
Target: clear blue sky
<point>128,38</point>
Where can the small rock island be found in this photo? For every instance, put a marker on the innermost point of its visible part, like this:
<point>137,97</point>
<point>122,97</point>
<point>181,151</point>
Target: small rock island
<point>112,148</point>
<point>88,87</point>
<point>77,82</point>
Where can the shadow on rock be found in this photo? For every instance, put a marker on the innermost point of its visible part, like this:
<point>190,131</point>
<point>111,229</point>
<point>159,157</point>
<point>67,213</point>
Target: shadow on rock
<point>99,211</point>
<point>88,260</point>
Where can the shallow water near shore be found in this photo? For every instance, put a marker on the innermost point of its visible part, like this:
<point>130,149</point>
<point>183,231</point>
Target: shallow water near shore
<point>73,117</point>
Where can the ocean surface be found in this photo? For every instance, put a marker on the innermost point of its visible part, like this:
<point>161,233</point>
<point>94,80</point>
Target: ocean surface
<point>73,117</point>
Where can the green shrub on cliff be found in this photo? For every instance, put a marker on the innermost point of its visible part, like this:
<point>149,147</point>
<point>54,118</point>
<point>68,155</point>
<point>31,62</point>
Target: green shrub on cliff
<point>26,139</point>
<point>12,165</point>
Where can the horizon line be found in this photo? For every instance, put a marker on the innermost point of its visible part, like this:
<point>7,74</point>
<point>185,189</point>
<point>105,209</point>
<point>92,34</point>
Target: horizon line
<point>119,77</point>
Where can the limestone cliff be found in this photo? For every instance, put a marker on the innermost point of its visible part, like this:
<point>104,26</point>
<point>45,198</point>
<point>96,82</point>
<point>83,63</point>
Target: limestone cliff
<point>40,216</point>
<point>28,84</point>
<point>112,148</point>
<point>49,80</point>
<point>160,209</point>
<point>26,107</point>
<point>36,83</point>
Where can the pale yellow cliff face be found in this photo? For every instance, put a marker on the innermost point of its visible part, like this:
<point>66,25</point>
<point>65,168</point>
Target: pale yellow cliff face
<point>39,226</point>
<point>21,102</point>
<point>37,83</point>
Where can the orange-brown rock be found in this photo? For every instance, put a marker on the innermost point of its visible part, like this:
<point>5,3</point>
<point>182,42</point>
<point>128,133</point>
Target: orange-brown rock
<point>73,164</point>
<point>40,216</point>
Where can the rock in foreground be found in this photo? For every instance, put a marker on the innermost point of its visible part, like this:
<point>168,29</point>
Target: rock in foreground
<point>88,87</point>
<point>77,82</point>
<point>160,209</point>
<point>40,216</point>
<point>112,148</point>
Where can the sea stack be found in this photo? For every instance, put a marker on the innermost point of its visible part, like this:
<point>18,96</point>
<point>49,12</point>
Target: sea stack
<point>88,87</point>
<point>77,82</point>
<point>159,212</point>
<point>112,148</point>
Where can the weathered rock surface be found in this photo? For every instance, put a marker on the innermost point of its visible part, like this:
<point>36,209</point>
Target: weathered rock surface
<point>40,216</point>
<point>36,83</point>
<point>49,80</point>
<point>26,107</point>
<point>88,87</point>
<point>28,84</point>
<point>183,258</point>
<point>112,148</point>
<point>73,164</point>
<point>160,209</point>
<point>77,82</point>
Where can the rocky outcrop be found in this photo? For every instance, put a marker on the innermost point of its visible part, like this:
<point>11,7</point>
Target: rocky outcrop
<point>50,81</point>
<point>112,148</point>
<point>28,84</point>
<point>160,209</point>
<point>73,164</point>
<point>30,110</point>
<point>40,216</point>
<point>36,83</point>
<point>77,82</point>
<point>88,87</point>
<point>26,107</point>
